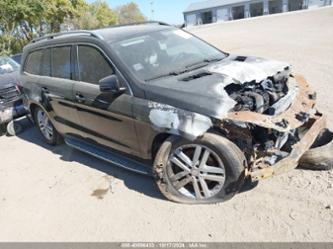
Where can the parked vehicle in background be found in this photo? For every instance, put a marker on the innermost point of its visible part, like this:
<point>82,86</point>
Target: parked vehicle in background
<point>17,58</point>
<point>157,100</point>
<point>11,101</point>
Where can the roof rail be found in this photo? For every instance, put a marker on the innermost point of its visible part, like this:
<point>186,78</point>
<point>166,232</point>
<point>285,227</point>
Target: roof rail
<point>52,36</point>
<point>139,23</point>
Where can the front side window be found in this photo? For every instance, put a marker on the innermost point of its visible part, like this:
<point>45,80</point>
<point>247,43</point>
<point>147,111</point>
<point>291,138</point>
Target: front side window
<point>33,62</point>
<point>61,62</point>
<point>163,53</point>
<point>93,66</point>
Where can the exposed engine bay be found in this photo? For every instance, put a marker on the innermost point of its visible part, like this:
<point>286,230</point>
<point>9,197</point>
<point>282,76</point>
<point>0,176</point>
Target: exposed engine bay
<point>258,97</point>
<point>262,97</point>
<point>269,100</point>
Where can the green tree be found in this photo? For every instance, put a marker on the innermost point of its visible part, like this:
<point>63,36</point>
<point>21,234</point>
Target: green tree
<point>31,19</point>
<point>21,20</point>
<point>130,13</point>
<point>96,15</point>
<point>16,22</point>
<point>103,13</point>
<point>56,11</point>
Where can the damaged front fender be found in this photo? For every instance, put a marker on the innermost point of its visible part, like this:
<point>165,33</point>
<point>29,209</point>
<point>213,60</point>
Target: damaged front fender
<point>166,118</point>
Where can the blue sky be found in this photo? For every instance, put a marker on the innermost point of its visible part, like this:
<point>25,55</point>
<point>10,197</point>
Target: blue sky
<point>170,11</point>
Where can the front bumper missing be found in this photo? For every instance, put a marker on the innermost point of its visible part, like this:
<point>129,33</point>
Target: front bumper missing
<point>291,161</point>
<point>292,118</point>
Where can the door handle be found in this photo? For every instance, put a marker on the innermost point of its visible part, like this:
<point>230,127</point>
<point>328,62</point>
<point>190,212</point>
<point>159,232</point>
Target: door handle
<point>80,98</point>
<point>45,90</point>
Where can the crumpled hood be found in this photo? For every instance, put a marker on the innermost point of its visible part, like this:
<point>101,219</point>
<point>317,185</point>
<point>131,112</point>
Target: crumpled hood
<point>204,93</point>
<point>242,69</point>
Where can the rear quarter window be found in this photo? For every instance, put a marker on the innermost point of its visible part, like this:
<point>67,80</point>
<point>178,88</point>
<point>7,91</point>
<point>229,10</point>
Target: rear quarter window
<point>33,62</point>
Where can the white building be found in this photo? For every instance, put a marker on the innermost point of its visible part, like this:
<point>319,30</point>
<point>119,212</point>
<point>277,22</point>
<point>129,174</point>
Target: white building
<point>211,11</point>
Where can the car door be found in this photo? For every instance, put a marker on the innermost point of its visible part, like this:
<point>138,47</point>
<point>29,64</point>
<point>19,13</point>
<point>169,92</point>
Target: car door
<point>105,118</point>
<point>56,84</point>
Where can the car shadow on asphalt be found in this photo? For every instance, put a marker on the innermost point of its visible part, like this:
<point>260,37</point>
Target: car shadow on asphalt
<point>140,183</point>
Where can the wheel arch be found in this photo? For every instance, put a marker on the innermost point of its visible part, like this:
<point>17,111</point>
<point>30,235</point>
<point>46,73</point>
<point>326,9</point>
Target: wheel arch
<point>32,107</point>
<point>159,139</point>
<point>157,142</point>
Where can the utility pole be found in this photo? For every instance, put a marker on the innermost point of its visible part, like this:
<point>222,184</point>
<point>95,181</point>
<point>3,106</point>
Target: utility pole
<point>152,9</point>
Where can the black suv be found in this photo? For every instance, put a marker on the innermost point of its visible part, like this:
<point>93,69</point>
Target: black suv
<point>159,101</point>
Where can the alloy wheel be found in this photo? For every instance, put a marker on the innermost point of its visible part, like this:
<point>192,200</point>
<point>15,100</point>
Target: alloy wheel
<point>44,124</point>
<point>196,171</point>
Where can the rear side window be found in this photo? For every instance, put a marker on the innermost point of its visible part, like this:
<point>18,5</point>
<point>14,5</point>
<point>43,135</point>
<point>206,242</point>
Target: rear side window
<point>33,63</point>
<point>61,62</point>
<point>46,63</point>
<point>92,65</point>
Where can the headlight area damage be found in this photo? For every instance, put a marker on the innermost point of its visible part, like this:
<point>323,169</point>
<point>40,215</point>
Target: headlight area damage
<point>274,122</point>
<point>275,137</point>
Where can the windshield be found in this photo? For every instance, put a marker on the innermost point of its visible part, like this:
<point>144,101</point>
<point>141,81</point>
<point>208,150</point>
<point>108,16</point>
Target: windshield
<point>164,53</point>
<point>8,65</point>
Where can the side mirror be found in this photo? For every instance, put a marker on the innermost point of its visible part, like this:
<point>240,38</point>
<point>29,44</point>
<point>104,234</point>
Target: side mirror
<point>111,84</point>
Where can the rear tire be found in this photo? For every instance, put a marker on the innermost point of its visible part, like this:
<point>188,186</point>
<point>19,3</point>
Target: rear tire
<point>45,127</point>
<point>13,128</point>
<point>208,170</point>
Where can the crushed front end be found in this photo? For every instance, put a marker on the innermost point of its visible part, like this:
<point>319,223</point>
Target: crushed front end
<point>11,103</point>
<point>274,122</point>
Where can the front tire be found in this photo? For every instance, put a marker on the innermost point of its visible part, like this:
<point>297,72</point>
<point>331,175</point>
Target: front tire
<point>320,155</point>
<point>45,127</point>
<point>208,170</point>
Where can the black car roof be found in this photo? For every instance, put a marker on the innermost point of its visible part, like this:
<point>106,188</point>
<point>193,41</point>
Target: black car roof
<point>110,34</point>
<point>118,33</point>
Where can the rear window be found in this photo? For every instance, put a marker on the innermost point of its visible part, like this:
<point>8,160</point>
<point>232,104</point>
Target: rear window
<point>61,62</point>
<point>33,62</point>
